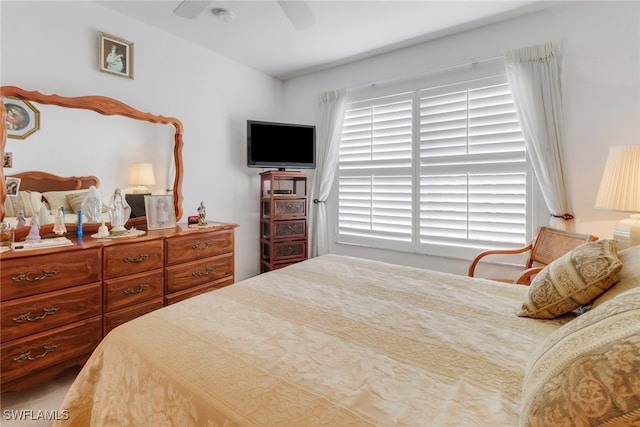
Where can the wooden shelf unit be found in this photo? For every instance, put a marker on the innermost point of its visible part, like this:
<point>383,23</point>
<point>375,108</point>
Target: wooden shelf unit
<point>283,219</point>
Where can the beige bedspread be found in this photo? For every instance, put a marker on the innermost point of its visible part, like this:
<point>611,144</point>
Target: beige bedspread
<point>334,341</point>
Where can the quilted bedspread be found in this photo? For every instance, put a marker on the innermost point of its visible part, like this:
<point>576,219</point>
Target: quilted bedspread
<point>333,341</point>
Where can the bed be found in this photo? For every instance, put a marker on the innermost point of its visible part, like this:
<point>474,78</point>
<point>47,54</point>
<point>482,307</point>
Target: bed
<point>342,341</point>
<point>38,188</point>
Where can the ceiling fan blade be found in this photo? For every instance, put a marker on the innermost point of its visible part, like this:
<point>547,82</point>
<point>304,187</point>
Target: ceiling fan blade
<point>191,9</point>
<point>299,13</point>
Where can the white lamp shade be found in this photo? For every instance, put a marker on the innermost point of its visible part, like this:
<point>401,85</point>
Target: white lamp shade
<point>142,174</point>
<point>620,185</point>
<point>620,191</point>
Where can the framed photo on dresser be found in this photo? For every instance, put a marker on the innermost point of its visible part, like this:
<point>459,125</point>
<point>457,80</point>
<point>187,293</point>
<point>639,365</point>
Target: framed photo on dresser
<point>159,211</point>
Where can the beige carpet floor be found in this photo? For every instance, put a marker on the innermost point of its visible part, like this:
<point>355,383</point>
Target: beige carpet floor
<point>29,408</point>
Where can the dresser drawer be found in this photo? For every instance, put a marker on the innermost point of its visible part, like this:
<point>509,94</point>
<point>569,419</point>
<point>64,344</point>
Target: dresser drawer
<point>29,315</point>
<point>116,318</point>
<point>24,356</point>
<point>194,273</point>
<point>132,289</point>
<point>31,275</point>
<point>191,292</point>
<point>198,245</point>
<point>130,258</point>
<point>285,230</point>
<point>286,208</point>
<point>285,251</point>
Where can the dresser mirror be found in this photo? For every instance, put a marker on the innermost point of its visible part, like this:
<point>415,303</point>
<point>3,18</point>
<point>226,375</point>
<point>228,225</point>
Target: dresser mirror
<point>96,138</point>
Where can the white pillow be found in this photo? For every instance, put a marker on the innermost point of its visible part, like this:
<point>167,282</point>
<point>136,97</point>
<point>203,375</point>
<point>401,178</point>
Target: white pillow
<point>628,278</point>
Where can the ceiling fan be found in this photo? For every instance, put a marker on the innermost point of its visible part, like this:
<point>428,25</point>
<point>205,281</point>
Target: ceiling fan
<point>297,11</point>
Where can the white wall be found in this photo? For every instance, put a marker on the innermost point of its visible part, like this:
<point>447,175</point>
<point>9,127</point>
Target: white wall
<point>602,94</point>
<point>51,47</point>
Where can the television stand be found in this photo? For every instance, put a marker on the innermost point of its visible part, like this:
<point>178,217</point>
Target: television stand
<point>283,219</point>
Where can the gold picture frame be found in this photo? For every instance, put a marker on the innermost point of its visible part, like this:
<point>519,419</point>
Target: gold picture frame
<point>22,118</point>
<point>115,55</point>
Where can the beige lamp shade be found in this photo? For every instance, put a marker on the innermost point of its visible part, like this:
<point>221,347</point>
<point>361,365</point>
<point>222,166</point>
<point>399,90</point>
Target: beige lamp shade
<point>140,176</point>
<point>620,191</point>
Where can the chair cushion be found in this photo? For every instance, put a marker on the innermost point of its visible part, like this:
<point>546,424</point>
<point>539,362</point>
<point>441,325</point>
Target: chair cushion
<point>572,280</point>
<point>587,373</point>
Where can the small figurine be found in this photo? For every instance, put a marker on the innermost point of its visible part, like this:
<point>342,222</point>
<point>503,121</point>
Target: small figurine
<point>202,214</point>
<point>22,221</point>
<point>34,233</point>
<point>58,226</point>
<point>120,211</point>
<point>92,205</point>
<point>44,214</point>
<point>103,231</point>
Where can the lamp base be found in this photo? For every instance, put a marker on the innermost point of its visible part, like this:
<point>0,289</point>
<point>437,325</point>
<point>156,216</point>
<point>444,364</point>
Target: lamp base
<point>627,232</point>
<point>141,190</point>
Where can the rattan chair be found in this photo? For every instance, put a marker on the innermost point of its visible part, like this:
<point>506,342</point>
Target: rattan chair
<point>548,245</point>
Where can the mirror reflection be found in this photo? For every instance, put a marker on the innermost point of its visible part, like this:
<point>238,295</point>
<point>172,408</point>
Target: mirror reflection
<point>120,147</point>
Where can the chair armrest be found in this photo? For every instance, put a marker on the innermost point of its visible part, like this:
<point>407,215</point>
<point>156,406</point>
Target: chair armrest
<point>527,275</point>
<point>472,267</point>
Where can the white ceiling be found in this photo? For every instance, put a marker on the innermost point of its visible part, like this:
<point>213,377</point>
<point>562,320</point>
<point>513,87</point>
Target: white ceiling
<point>262,37</point>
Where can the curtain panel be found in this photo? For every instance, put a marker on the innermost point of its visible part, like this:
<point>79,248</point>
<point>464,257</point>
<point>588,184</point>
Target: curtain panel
<point>535,74</point>
<point>332,105</point>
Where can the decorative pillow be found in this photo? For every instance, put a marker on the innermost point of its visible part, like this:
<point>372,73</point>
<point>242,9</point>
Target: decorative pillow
<point>628,278</point>
<point>75,200</point>
<point>572,280</point>
<point>55,199</point>
<point>27,201</point>
<point>587,373</point>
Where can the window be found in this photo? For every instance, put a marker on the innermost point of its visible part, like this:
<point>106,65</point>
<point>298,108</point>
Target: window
<point>439,166</point>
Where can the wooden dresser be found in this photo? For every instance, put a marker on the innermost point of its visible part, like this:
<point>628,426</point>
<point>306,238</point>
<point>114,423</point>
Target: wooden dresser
<point>56,304</point>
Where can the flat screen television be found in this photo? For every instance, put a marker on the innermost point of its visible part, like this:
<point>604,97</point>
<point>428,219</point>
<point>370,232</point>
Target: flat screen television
<point>281,145</point>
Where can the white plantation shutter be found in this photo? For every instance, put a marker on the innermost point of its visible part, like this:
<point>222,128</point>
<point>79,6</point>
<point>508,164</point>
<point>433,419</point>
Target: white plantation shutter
<point>466,188</point>
<point>375,170</point>
<point>472,165</point>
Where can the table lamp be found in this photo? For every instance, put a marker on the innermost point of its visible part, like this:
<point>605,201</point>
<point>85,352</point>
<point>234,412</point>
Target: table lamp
<point>140,176</point>
<point>620,191</point>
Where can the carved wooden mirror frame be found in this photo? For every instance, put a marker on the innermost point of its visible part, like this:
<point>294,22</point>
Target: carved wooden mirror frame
<point>105,106</point>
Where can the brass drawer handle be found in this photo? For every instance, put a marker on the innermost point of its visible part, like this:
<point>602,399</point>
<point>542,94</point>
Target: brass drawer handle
<point>199,273</point>
<point>141,258</point>
<point>26,277</point>
<point>131,291</point>
<point>197,246</point>
<point>27,356</point>
<point>27,316</point>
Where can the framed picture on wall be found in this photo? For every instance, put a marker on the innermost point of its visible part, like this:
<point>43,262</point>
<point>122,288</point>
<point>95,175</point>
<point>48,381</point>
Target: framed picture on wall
<point>22,119</point>
<point>159,211</point>
<point>13,186</point>
<point>115,55</point>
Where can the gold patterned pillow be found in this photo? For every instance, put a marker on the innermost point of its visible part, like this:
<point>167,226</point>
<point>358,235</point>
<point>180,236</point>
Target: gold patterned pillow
<point>587,373</point>
<point>572,280</point>
<point>55,199</point>
<point>75,200</point>
<point>628,278</point>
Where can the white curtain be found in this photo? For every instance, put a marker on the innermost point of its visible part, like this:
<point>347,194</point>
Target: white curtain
<point>332,105</point>
<point>535,75</point>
